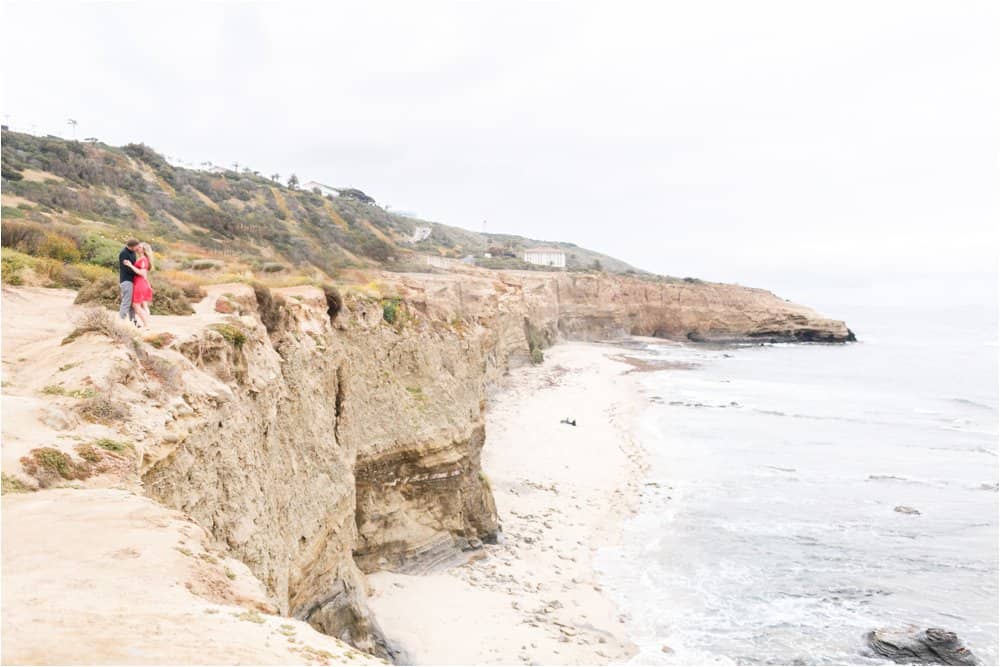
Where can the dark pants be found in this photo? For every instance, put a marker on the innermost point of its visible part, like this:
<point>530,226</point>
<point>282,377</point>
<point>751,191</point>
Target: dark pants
<point>126,309</point>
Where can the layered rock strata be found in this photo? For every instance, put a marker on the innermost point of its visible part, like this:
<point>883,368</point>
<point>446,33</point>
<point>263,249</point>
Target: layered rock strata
<point>330,446</point>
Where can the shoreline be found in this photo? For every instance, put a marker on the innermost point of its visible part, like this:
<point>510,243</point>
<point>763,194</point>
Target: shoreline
<point>562,493</point>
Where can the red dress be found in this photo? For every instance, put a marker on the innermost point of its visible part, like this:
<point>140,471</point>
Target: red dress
<point>141,291</point>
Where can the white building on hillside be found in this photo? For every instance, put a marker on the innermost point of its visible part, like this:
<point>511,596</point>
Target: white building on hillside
<point>309,186</point>
<point>545,257</point>
<point>420,234</point>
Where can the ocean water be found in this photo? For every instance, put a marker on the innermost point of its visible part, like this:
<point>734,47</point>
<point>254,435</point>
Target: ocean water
<point>767,532</point>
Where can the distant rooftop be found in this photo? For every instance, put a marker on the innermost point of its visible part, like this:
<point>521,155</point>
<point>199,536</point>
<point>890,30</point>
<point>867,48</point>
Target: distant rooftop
<point>544,249</point>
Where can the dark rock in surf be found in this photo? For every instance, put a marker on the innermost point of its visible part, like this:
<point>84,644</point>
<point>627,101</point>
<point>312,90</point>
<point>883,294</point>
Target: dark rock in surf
<point>912,646</point>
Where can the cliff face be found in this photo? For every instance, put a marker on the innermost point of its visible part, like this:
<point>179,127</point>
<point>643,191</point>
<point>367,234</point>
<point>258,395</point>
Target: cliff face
<point>333,446</point>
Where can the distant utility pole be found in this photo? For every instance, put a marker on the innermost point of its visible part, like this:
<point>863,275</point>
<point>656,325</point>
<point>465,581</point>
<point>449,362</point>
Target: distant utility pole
<point>72,123</point>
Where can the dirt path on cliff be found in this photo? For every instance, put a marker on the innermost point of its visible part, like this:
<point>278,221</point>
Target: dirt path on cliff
<point>562,493</point>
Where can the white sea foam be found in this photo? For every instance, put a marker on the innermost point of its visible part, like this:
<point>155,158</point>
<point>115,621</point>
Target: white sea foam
<point>767,532</point>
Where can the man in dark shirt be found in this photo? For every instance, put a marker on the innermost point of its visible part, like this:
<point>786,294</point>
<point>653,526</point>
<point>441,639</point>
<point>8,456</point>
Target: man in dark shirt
<point>125,278</point>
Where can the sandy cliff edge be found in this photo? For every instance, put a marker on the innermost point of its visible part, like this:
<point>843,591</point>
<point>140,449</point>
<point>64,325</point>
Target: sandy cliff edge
<point>324,448</point>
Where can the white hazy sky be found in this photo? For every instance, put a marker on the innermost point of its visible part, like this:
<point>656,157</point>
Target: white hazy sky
<point>727,140</point>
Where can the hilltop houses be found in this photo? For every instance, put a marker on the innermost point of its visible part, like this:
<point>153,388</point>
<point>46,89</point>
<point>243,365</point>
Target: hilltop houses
<point>545,256</point>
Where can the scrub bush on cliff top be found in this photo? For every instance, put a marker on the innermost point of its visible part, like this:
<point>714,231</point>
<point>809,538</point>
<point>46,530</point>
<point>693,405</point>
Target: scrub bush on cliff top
<point>20,268</point>
<point>390,310</point>
<point>334,302</point>
<point>168,299</point>
<point>49,465</point>
<point>269,306</point>
<point>232,334</point>
<point>103,409</point>
<point>12,484</point>
<point>98,321</point>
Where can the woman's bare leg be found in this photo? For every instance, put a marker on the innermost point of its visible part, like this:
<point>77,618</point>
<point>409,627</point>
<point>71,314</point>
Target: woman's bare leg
<point>142,310</point>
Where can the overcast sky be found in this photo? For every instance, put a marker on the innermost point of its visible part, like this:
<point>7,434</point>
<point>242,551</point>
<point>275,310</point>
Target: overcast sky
<point>727,140</point>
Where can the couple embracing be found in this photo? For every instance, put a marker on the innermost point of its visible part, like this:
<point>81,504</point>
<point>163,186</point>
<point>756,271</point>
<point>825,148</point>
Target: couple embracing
<point>135,261</point>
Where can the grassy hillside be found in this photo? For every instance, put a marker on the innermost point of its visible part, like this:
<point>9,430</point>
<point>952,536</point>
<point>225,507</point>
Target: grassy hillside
<point>68,205</point>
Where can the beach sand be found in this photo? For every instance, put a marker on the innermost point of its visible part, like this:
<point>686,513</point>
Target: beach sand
<point>562,493</point>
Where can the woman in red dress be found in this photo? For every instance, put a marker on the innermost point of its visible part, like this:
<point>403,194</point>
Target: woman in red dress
<point>142,292</point>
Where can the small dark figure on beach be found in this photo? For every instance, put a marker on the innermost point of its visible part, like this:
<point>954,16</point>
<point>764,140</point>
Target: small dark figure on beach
<point>568,421</point>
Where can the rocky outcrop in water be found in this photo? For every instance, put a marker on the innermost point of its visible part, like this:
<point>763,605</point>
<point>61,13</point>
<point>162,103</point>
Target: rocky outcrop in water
<point>912,646</point>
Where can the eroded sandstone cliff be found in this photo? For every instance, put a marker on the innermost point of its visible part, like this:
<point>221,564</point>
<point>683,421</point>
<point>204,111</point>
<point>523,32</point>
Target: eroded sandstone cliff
<point>333,445</point>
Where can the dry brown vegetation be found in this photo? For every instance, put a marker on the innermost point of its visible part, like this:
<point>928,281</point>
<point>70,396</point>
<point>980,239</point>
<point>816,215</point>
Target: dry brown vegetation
<point>101,322</point>
<point>168,299</point>
<point>103,409</point>
<point>269,306</point>
<point>49,465</point>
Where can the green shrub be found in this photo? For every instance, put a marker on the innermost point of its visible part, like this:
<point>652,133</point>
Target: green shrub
<point>486,481</point>
<point>59,390</point>
<point>272,267</point>
<point>233,335</point>
<point>97,249</point>
<point>12,484</point>
<point>59,247</point>
<point>92,272</point>
<point>390,310</point>
<point>377,249</point>
<point>9,213</point>
<point>49,465</point>
<point>11,264</point>
<point>115,446</point>
<point>104,292</point>
<point>56,274</point>
<point>168,299</point>
<point>536,339</point>
<point>203,265</point>
<point>10,174</point>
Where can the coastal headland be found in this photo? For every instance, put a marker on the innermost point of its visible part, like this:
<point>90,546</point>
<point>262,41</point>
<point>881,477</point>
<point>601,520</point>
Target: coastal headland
<point>317,441</point>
